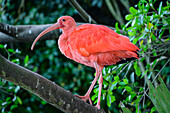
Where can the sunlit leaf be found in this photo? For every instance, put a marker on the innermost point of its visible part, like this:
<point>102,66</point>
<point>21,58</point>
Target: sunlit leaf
<point>125,81</point>
<point>128,88</point>
<point>116,78</point>
<point>133,10</point>
<point>160,7</point>
<point>129,17</point>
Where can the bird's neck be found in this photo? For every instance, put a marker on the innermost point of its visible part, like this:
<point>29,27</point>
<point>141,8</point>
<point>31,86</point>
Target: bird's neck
<point>63,40</point>
<point>64,46</point>
<point>67,30</point>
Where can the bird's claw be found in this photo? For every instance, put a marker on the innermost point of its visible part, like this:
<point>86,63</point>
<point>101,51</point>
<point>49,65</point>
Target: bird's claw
<point>85,98</point>
<point>97,106</point>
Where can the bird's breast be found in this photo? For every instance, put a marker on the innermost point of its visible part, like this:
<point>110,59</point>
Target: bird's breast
<point>64,46</point>
<point>66,49</point>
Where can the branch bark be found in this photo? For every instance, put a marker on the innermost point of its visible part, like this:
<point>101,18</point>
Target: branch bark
<point>43,88</point>
<point>24,33</point>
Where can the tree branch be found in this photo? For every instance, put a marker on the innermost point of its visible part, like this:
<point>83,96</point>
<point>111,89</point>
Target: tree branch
<point>115,12</point>
<point>24,33</point>
<point>82,12</point>
<point>43,88</point>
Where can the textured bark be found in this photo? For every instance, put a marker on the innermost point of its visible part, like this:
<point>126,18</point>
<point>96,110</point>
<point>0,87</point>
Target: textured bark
<point>24,33</point>
<point>43,88</point>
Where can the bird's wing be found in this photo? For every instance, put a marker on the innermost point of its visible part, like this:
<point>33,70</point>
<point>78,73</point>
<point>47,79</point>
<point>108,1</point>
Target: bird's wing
<point>89,38</point>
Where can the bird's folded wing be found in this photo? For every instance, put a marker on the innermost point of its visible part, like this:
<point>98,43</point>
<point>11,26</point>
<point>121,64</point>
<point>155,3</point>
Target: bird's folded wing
<point>89,39</point>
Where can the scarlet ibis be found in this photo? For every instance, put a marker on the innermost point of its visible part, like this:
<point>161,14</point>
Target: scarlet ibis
<point>92,45</point>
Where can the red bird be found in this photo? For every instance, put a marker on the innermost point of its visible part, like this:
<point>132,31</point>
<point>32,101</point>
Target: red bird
<point>92,45</point>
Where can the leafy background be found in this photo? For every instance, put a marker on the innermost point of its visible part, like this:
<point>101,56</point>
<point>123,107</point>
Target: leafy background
<point>146,22</point>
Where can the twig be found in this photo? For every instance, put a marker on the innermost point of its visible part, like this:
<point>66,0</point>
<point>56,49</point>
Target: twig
<point>160,70</point>
<point>81,11</point>
<point>21,7</point>
<point>130,63</point>
<point>115,14</point>
<point>126,4</point>
<point>147,58</point>
<point>122,69</point>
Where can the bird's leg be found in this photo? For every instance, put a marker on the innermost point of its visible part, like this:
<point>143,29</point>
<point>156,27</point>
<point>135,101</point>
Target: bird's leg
<point>87,95</point>
<point>100,89</point>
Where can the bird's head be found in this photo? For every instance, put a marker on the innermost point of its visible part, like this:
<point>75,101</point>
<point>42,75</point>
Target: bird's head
<point>66,23</point>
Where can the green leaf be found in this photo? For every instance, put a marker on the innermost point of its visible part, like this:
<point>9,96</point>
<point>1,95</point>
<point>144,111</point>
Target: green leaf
<point>160,7</point>
<point>116,78</point>
<point>162,32</point>
<point>160,97</point>
<point>131,33</point>
<point>10,50</point>
<point>133,10</point>
<point>110,99</point>
<point>8,98</point>
<point>153,36</point>
<point>125,110</point>
<point>153,109</point>
<point>129,17</point>
<point>19,100</point>
<point>122,83</point>
<point>116,26</point>
<point>137,69</point>
<point>35,69</point>
<point>113,86</point>
<point>13,107</point>
<point>135,40</point>
<point>1,46</point>
<point>128,88</point>
<point>43,102</point>
<point>26,60</point>
<point>15,60</point>
<point>125,81</point>
<point>113,98</point>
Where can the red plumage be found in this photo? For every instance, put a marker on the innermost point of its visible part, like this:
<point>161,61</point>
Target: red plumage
<point>108,47</point>
<point>92,45</point>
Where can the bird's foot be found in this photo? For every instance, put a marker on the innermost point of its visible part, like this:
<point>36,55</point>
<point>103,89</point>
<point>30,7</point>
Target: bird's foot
<point>85,98</point>
<point>97,106</point>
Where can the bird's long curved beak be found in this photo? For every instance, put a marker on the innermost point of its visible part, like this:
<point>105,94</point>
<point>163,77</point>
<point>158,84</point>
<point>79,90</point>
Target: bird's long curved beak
<point>53,27</point>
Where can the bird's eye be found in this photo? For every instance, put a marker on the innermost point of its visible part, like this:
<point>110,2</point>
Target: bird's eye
<point>63,20</point>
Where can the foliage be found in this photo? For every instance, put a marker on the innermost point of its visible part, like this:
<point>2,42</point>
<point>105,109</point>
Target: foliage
<point>11,97</point>
<point>147,25</point>
<point>160,97</point>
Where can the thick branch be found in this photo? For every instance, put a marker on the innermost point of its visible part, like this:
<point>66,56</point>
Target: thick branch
<point>24,33</point>
<point>43,88</point>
